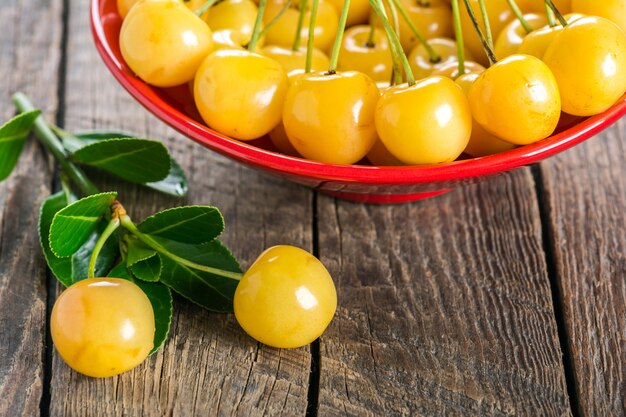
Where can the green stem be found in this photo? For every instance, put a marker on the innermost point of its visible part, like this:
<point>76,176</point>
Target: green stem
<point>394,41</point>
<point>396,71</point>
<point>309,46</point>
<point>550,14</point>
<point>485,16</point>
<point>370,37</point>
<point>488,49</point>
<point>520,16</point>
<point>206,6</point>
<point>128,224</point>
<point>65,187</point>
<point>275,19</point>
<point>432,54</point>
<point>256,32</point>
<point>52,143</point>
<point>334,56</point>
<point>558,14</point>
<point>108,231</point>
<point>297,40</point>
<point>460,47</point>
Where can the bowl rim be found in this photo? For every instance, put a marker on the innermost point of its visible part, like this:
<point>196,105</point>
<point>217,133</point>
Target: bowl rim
<point>363,174</point>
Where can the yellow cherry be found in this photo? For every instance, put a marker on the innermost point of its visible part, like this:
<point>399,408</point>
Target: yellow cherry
<point>295,60</point>
<point>380,156</point>
<point>358,13</point>
<point>330,117</point>
<point>588,59</point>
<point>481,143</point>
<point>511,37</point>
<point>240,93</point>
<point>420,61</point>
<point>517,99</point>
<point>536,42</point>
<point>614,10</point>
<point>163,42</point>
<point>356,54</point>
<point>426,123</point>
<point>451,69</point>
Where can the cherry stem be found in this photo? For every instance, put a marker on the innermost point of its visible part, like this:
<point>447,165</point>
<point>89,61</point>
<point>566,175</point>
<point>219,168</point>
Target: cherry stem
<point>370,38</point>
<point>256,32</point>
<point>558,14</point>
<point>334,56</point>
<point>520,16</point>
<point>432,54</point>
<point>54,145</point>
<point>394,41</point>
<point>275,19</point>
<point>396,72</point>
<point>309,46</point>
<point>206,6</point>
<point>550,15</point>
<point>460,47</point>
<point>297,40</point>
<point>485,16</point>
<point>128,224</point>
<point>106,234</point>
<point>488,49</point>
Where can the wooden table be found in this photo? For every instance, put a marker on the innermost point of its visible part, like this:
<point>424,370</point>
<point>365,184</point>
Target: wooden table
<point>505,298</point>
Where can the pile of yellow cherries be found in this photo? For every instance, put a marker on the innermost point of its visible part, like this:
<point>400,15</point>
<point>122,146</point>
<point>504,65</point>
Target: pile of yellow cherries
<point>397,82</point>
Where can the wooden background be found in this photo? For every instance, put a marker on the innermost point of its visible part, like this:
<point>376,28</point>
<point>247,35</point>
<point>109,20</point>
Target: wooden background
<point>505,298</point>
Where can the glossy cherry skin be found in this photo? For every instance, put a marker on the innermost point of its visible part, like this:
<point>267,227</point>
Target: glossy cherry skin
<point>534,6</point>
<point>296,60</point>
<point>124,6</point>
<point>240,93</point>
<point>588,59</point>
<point>614,10</point>
<point>426,123</point>
<point>499,16</point>
<point>163,42</point>
<point>433,19</point>
<point>358,13</point>
<point>451,69</point>
<point>373,60</point>
<point>286,299</point>
<point>481,143</point>
<point>102,326</point>
<point>536,42</point>
<point>380,156</point>
<point>517,100</point>
<point>330,118</point>
<point>283,32</point>
<point>420,62</point>
<point>511,37</point>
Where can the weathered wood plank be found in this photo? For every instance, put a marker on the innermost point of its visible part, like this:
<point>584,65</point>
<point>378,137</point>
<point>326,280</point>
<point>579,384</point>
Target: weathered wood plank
<point>208,366</point>
<point>445,307</point>
<point>586,200</point>
<point>29,59</point>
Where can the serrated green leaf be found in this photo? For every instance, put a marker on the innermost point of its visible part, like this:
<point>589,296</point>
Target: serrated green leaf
<point>174,184</point>
<point>74,224</point>
<point>72,269</point>
<point>210,291</point>
<point>135,160</point>
<point>13,135</point>
<point>160,297</point>
<point>60,267</point>
<point>189,224</point>
<point>137,251</point>
<point>147,269</point>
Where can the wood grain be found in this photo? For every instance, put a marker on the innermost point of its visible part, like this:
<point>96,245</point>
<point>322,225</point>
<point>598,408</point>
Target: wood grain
<point>29,59</point>
<point>209,366</point>
<point>445,307</point>
<point>586,198</point>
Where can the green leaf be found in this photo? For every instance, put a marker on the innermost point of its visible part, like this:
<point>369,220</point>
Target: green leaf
<point>73,225</point>
<point>174,184</point>
<point>135,160</point>
<point>76,141</point>
<point>189,224</point>
<point>69,270</point>
<point>210,291</point>
<point>13,135</point>
<point>137,251</point>
<point>147,269</point>
<point>160,297</point>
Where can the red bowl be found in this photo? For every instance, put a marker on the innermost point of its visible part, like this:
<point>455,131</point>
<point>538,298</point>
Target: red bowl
<point>354,182</point>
